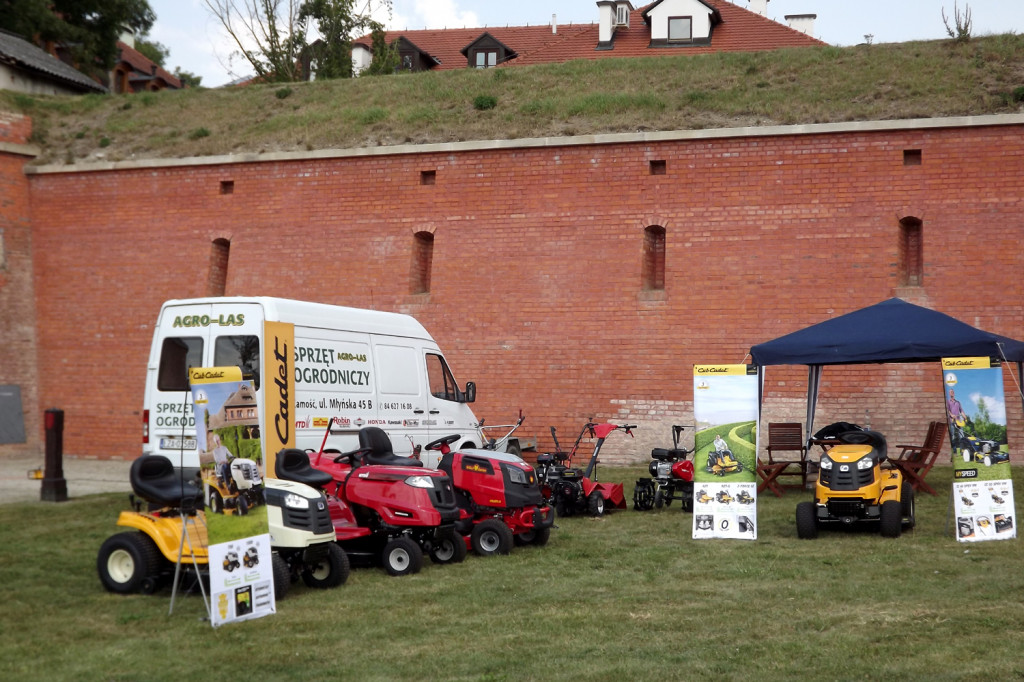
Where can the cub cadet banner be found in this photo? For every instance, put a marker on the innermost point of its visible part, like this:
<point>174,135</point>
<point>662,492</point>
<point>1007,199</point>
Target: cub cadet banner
<point>228,433</point>
<point>725,451</point>
<point>278,389</point>
<point>976,416</point>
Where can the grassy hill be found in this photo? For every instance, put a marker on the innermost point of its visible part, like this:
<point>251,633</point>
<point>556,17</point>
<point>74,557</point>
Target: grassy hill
<point>809,85</point>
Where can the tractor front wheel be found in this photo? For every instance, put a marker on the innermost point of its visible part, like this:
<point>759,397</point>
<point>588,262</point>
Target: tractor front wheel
<point>282,575</point>
<point>891,519</point>
<point>451,549</point>
<point>402,556</point>
<point>330,571</point>
<point>491,537</point>
<point>595,503</point>
<point>806,521</point>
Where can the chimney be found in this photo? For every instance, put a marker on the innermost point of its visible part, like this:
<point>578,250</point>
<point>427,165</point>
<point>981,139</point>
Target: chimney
<point>759,7</point>
<point>554,24</point>
<point>606,21</point>
<point>802,22</point>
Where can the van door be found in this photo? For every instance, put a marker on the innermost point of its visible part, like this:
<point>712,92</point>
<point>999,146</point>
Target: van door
<point>401,386</point>
<point>447,411</point>
<point>179,343</point>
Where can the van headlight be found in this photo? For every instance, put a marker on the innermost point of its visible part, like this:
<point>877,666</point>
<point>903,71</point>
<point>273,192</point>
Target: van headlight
<point>419,482</point>
<point>865,463</point>
<point>825,463</point>
<point>293,501</point>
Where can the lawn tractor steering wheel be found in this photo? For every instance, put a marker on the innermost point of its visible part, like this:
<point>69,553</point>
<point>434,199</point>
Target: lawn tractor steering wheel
<point>447,440</point>
<point>352,457</point>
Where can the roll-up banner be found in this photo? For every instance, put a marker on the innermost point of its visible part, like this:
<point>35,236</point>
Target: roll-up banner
<point>725,451</point>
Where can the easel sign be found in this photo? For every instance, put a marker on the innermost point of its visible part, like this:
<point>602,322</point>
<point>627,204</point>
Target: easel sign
<point>976,417</point>
<point>228,434</point>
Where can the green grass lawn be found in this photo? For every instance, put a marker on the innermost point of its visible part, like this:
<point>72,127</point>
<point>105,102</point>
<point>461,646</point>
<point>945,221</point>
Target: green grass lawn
<point>626,597</point>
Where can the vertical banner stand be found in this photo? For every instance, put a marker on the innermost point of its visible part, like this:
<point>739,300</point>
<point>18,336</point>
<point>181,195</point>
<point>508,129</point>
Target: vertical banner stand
<point>188,517</point>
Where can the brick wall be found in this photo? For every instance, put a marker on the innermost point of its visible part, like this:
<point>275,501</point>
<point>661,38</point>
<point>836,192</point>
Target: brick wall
<point>17,311</point>
<point>537,262</point>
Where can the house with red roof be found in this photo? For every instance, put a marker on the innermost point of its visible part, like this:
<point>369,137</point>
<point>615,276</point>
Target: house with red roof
<point>663,27</point>
<point>135,72</point>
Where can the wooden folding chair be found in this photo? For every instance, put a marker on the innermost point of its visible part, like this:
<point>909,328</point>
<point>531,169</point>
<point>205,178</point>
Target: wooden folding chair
<point>915,461</point>
<point>769,474</point>
<point>788,437</point>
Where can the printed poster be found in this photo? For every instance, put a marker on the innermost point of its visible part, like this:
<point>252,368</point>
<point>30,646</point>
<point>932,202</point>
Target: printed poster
<point>230,457</point>
<point>279,389</point>
<point>725,452</point>
<point>976,418</point>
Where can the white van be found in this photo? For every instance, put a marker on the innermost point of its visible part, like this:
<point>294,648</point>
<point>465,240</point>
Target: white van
<point>357,367</point>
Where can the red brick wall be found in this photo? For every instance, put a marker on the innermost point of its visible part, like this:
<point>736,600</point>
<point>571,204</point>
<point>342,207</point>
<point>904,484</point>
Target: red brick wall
<point>536,289</point>
<point>17,304</point>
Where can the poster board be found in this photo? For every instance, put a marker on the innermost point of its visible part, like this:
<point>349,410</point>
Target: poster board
<point>725,451</point>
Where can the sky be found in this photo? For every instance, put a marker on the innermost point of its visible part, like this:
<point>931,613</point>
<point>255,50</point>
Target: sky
<point>199,45</point>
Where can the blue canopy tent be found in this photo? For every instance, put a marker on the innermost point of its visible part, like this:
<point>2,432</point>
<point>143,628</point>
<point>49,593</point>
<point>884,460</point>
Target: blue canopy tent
<point>890,331</point>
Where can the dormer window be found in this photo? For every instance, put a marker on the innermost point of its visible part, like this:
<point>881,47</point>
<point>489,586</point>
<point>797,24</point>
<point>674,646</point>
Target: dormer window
<point>622,16</point>
<point>680,29</point>
<point>486,59</point>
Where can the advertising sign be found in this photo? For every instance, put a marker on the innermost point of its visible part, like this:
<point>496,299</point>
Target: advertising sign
<point>976,417</point>
<point>725,451</point>
<point>278,389</point>
<point>228,434</point>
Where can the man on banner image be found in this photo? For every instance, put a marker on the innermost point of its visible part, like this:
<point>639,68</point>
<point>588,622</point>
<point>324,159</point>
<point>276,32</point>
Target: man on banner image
<point>954,409</point>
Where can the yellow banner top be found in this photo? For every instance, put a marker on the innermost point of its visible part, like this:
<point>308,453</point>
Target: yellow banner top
<point>711,370</point>
<point>966,363</point>
<point>213,375</point>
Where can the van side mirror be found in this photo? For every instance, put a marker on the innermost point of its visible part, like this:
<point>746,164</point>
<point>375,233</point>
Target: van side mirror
<point>470,394</point>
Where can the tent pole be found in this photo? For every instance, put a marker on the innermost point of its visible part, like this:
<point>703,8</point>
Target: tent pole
<point>813,380</point>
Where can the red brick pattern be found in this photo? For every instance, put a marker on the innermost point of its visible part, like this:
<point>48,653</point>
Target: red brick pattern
<point>536,286</point>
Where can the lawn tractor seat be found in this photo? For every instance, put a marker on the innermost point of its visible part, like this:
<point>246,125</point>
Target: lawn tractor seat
<point>375,440</point>
<point>866,437</point>
<point>155,480</point>
<point>293,465</point>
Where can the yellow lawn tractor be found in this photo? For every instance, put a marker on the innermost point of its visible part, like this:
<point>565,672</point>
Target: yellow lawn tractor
<point>853,487</point>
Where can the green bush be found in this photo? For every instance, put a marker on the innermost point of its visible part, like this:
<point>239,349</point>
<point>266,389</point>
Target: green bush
<point>484,102</point>
<point>198,133</point>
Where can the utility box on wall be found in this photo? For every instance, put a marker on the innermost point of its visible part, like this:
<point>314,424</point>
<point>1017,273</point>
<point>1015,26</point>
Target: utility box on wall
<point>12,418</point>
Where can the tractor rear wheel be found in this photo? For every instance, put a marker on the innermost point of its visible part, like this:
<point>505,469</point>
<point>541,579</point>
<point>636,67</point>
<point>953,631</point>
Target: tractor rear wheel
<point>450,549</point>
<point>806,521</point>
<point>891,519</point>
<point>491,537</point>
<point>595,503</point>
<point>907,505</point>
<point>128,561</point>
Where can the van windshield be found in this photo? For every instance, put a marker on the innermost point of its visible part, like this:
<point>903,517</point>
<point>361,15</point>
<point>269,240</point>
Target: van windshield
<point>177,355</point>
<point>239,351</point>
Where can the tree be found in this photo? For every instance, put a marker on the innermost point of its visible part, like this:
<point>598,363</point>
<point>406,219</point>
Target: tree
<point>385,59</point>
<point>271,35</point>
<point>188,79</point>
<point>338,23</point>
<point>87,29</point>
<point>152,50</point>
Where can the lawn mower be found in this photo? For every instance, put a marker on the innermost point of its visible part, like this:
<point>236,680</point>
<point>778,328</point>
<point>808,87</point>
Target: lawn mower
<point>242,490</point>
<point>975,449</point>
<point>853,487</point>
<point>386,508</point>
<point>146,558</point>
<point>722,462</point>
<point>499,498</point>
<point>570,490</point>
<point>671,478</point>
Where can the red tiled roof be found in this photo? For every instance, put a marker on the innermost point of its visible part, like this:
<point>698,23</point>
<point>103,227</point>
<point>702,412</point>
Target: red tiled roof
<point>142,66</point>
<point>739,31</point>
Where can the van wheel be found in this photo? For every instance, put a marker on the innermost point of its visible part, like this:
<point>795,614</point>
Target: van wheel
<point>402,556</point>
<point>907,505</point>
<point>491,537</point>
<point>514,449</point>
<point>128,560</point>
<point>330,571</point>
<point>891,519</point>
<point>451,549</point>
